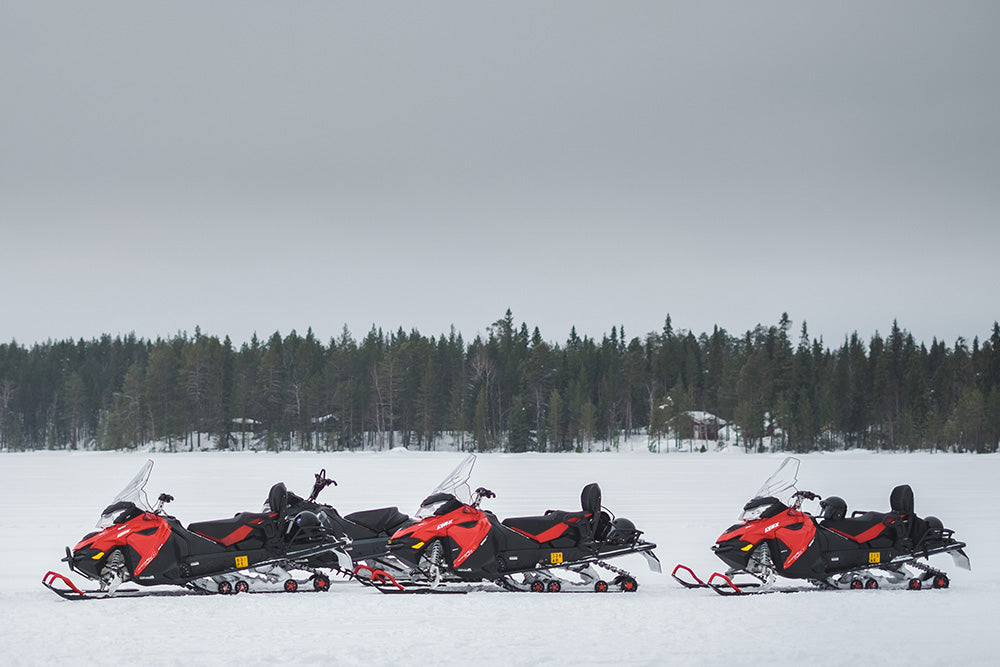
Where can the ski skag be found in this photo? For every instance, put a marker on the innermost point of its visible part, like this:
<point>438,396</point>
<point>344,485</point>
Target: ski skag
<point>869,550</point>
<point>269,551</point>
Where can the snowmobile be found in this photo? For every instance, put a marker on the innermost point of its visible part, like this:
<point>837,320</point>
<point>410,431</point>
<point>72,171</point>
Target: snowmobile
<point>867,550</point>
<point>455,546</point>
<point>367,531</point>
<point>251,552</point>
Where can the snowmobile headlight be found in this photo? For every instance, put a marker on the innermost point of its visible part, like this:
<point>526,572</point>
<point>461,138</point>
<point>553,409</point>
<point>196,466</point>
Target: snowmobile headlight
<point>758,507</point>
<point>429,509</point>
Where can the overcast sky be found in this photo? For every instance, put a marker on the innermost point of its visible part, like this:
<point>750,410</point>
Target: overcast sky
<point>249,166</point>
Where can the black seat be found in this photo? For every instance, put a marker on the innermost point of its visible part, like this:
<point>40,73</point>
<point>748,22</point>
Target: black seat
<point>382,520</point>
<point>894,527</point>
<point>863,528</point>
<point>256,528</point>
<point>555,523</point>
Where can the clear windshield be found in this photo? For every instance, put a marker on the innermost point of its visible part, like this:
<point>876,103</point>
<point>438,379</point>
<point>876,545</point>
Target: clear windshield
<point>455,484</point>
<point>780,485</point>
<point>781,481</point>
<point>132,493</point>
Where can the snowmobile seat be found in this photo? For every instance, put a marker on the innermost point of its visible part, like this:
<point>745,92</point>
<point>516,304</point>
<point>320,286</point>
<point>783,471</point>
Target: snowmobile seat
<point>382,520</point>
<point>248,527</point>
<point>864,528</point>
<point>555,524</point>
<point>552,526</point>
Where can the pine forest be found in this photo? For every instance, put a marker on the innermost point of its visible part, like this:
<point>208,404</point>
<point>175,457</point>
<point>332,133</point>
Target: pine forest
<point>511,390</point>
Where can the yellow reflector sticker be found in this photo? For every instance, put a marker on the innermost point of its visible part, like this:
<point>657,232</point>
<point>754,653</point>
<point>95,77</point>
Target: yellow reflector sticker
<point>747,547</point>
<point>99,555</point>
<point>556,558</point>
<point>418,545</point>
<point>242,561</point>
<point>874,557</point>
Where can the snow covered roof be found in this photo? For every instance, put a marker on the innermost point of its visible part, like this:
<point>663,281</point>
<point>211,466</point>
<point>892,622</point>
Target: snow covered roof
<point>702,417</point>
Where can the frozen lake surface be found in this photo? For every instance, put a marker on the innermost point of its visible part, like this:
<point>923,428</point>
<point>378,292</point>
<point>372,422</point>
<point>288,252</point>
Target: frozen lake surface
<point>681,501</point>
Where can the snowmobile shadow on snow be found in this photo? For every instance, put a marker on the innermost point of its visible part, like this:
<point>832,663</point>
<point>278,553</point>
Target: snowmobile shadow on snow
<point>454,546</point>
<point>867,550</point>
<point>250,552</point>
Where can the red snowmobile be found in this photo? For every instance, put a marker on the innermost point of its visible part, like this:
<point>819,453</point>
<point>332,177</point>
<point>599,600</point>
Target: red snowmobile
<point>251,552</point>
<point>456,547</point>
<point>777,538</point>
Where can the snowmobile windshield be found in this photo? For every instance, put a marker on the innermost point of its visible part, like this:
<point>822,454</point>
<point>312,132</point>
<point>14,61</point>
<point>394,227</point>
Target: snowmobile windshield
<point>455,485</point>
<point>778,488</point>
<point>133,493</point>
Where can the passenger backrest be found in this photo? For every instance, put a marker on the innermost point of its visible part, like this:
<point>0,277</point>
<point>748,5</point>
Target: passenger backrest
<point>590,498</point>
<point>590,501</point>
<point>277,499</point>
<point>901,499</point>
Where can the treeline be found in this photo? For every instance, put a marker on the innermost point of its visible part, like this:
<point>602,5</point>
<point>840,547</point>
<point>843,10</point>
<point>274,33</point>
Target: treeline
<point>510,390</point>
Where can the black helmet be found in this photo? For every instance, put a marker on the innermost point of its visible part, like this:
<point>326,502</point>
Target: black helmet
<point>304,527</point>
<point>622,532</point>
<point>833,508</point>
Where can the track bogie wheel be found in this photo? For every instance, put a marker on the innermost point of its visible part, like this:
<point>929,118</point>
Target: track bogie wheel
<point>242,586</point>
<point>914,584</point>
<point>225,588</point>
<point>941,581</point>
<point>321,582</point>
<point>871,584</point>
<point>553,586</point>
<point>629,584</point>
<point>601,586</point>
<point>537,587</point>
<point>857,584</point>
<point>291,586</point>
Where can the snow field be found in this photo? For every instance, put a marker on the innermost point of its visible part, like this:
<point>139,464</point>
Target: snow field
<point>681,501</point>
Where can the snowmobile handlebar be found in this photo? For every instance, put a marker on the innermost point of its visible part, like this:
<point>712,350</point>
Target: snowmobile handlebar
<point>163,500</point>
<point>483,492</point>
<point>799,496</point>
<point>321,483</point>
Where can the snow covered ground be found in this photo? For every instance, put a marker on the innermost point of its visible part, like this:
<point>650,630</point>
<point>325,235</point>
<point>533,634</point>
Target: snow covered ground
<point>681,501</point>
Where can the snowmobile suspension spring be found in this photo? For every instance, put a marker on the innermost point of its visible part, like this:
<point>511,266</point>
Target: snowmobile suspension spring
<point>612,568</point>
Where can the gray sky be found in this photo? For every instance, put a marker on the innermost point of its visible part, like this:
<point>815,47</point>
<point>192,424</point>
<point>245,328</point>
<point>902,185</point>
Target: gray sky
<point>259,166</point>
